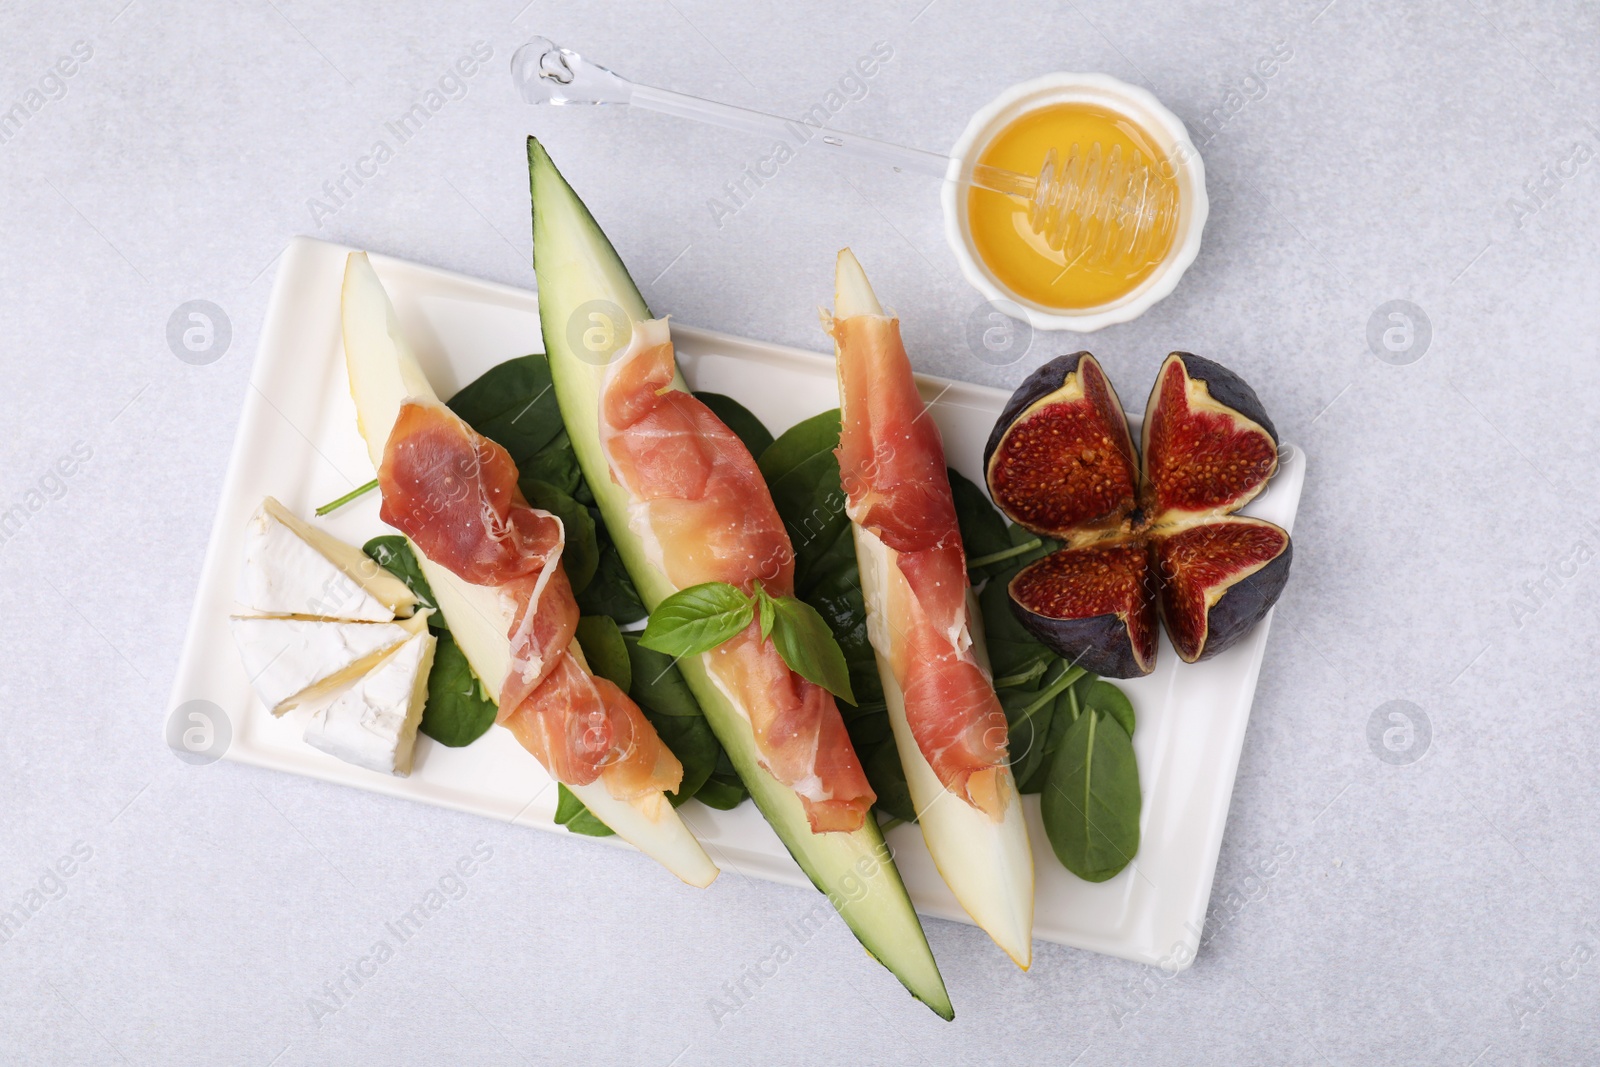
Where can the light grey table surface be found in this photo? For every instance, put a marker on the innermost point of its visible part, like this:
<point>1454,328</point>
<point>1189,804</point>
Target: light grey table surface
<point>1388,892</point>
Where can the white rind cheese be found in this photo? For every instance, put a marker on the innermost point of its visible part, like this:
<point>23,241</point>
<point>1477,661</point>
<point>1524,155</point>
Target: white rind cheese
<point>373,723</point>
<point>291,568</point>
<point>293,661</point>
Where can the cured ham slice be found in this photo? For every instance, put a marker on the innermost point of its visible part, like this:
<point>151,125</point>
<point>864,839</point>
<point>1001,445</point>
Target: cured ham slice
<point>893,468</point>
<point>703,512</point>
<point>454,493</point>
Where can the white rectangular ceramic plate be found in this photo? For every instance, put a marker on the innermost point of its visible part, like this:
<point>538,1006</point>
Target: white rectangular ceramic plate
<point>298,442</point>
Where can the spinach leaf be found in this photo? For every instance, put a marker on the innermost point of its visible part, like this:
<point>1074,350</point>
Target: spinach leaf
<point>393,553</point>
<point>556,465</point>
<point>697,619</point>
<point>723,792</point>
<point>1091,800</point>
<point>1036,716</point>
<point>458,711</point>
<point>1104,697</point>
<point>819,433</point>
<point>658,686</point>
<point>666,700</point>
<point>605,651</point>
<point>581,555</point>
<point>611,592</point>
<point>738,418</point>
<point>724,789</point>
<point>571,813</point>
<point>514,405</point>
<point>888,779</point>
<point>983,531</point>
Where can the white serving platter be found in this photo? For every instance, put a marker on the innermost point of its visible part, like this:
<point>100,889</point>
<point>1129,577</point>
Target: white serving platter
<point>298,441</point>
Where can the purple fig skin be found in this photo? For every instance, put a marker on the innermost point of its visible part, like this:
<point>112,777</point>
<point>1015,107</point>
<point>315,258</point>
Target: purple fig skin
<point>1099,644</point>
<point>1245,604</point>
<point>1035,387</point>
<point>1226,388</point>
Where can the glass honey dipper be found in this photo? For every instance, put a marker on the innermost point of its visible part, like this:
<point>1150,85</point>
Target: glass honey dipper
<point>1097,209</point>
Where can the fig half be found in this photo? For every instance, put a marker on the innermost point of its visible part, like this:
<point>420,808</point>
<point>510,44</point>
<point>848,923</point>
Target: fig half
<point>1139,540</point>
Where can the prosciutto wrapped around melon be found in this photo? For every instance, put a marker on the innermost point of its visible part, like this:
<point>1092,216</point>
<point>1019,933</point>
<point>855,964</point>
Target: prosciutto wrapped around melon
<point>948,724</point>
<point>703,513</point>
<point>494,564</point>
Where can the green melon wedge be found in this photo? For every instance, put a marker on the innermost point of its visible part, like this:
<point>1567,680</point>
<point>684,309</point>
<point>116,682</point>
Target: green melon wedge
<point>587,303</point>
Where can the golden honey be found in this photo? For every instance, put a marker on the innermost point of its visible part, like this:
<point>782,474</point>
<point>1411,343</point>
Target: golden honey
<point>1019,257</point>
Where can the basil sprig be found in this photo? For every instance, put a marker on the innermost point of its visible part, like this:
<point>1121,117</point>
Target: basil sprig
<point>701,617</point>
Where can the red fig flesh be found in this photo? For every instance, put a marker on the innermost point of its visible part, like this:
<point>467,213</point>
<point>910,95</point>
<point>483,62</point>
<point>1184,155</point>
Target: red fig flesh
<point>1139,539</point>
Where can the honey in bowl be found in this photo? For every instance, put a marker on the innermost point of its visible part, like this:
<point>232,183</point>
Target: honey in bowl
<point>1019,257</point>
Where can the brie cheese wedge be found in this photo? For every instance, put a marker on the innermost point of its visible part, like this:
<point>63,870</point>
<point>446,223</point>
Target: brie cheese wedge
<point>373,723</point>
<point>292,661</point>
<point>293,569</point>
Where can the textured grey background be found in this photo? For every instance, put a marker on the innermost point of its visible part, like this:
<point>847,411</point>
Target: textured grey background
<point>1440,911</point>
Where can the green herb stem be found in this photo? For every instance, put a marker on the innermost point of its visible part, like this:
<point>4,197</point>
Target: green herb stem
<point>996,557</point>
<point>334,505</point>
<point>1022,678</point>
<point>1068,676</point>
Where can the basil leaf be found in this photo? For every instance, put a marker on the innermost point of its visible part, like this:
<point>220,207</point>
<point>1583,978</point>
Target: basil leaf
<point>605,651</point>
<point>457,712</point>
<point>806,644</point>
<point>611,592</point>
<point>581,554</point>
<point>571,813</point>
<point>764,610</point>
<point>393,553</point>
<point>1091,800</point>
<point>738,418</point>
<point>697,619</point>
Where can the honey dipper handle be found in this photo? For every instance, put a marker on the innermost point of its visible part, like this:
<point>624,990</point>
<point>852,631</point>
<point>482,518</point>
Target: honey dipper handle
<point>546,73</point>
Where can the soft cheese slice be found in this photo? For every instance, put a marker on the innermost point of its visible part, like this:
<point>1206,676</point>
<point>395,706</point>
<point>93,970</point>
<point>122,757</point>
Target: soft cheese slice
<point>373,724</point>
<point>292,568</point>
<point>292,661</point>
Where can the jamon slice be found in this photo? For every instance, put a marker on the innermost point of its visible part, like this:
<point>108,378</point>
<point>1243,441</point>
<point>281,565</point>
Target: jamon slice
<point>454,493</point>
<point>891,463</point>
<point>582,727</point>
<point>702,510</point>
<point>1060,462</point>
<point>949,728</point>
